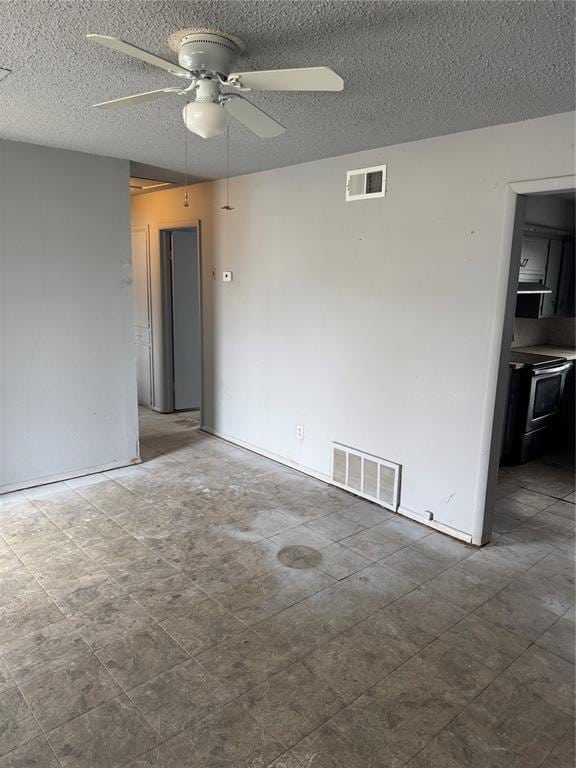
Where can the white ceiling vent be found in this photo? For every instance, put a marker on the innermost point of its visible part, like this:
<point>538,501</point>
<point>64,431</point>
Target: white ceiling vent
<point>365,475</point>
<point>366,182</point>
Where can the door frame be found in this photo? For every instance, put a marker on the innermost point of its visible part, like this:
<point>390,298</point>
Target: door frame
<point>146,230</point>
<point>166,317</point>
<point>515,206</point>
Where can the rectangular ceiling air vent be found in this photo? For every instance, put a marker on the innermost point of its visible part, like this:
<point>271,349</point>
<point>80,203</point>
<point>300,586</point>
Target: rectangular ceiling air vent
<point>366,182</point>
<point>366,475</point>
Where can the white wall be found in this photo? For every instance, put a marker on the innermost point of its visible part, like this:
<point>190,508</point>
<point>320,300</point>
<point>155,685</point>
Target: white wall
<point>374,323</point>
<point>67,370</point>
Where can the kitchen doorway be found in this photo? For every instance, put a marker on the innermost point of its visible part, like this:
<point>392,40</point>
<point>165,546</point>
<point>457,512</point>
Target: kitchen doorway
<point>530,488</point>
<point>181,321</point>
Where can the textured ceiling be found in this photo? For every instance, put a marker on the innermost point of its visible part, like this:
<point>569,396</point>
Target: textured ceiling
<point>412,70</point>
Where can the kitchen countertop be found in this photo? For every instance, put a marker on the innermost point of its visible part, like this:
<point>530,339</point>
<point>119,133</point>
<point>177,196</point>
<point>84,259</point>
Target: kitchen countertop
<point>548,349</point>
<point>543,349</point>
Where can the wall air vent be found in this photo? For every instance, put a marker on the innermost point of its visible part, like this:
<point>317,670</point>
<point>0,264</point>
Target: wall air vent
<point>366,182</point>
<point>366,475</point>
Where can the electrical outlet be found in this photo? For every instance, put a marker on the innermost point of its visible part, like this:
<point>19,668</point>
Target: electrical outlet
<point>300,432</point>
<point>226,277</point>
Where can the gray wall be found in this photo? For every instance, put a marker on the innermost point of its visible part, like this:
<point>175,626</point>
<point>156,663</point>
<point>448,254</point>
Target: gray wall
<point>377,324</point>
<point>550,211</point>
<point>67,370</point>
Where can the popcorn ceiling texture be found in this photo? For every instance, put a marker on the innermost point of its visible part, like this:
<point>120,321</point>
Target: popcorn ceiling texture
<point>412,70</point>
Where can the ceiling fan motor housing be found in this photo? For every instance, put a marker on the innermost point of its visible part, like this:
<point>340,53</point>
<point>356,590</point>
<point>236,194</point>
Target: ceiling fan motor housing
<point>207,90</point>
<point>208,52</point>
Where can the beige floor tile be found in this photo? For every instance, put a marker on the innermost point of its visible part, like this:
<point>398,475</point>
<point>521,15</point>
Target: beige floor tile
<point>428,611</point>
<point>243,661</point>
<point>176,698</point>
<point>293,703</point>
<point>109,735</point>
<point>138,656</point>
<point>17,722</point>
<point>69,691</point>
<point>518,613</point>
<point>36,753</point>
<point>202,626</point>
<point>229,737</point>
<point>43,650</point>
<point>259,618</point>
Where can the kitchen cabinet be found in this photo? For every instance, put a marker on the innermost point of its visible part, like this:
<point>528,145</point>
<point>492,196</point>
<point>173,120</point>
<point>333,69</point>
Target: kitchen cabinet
<point>533,260</point>
<point>548,260</point>
<point>565,305</point>
<point>552,278</point>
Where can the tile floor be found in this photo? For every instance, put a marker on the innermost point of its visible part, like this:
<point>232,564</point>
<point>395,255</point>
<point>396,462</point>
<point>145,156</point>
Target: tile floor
<point>212,609</point>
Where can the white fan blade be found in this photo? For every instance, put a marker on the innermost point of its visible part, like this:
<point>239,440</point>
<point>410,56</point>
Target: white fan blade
<point>309,79</point>
<point>127,101</point>
<point>138,53</point>
<point>253,118</point>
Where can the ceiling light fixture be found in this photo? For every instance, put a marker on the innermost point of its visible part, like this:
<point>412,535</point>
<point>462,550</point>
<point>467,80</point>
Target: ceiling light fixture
<point>205,115</point>
<point>206,59</point>
<point>205,118</point>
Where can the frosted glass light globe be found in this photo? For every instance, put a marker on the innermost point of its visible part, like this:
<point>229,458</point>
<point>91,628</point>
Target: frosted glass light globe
<point>205,118</point>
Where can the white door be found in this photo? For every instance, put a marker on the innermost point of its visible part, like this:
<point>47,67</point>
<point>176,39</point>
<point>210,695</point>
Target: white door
<point>186,320</point>
<point>142,314</point>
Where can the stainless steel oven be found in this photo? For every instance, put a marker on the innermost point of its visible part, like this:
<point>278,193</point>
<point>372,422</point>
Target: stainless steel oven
<point>534,403</point>
<point>545,398</point>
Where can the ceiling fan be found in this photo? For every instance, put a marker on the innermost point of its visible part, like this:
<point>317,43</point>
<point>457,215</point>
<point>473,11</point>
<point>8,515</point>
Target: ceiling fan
<point>214,92</point>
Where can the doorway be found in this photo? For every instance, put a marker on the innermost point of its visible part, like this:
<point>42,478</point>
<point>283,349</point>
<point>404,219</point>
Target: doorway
<point>180,285</point>
<point>530,490</point>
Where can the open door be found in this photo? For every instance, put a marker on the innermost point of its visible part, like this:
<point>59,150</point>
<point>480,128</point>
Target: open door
<point>186,349</point>
<point>180,350</point>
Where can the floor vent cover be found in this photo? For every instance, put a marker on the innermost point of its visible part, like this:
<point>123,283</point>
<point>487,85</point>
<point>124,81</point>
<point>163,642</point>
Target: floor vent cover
<point>365,475</point>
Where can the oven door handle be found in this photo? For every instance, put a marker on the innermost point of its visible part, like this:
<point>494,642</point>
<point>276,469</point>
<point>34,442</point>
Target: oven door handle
<point>548,371</point>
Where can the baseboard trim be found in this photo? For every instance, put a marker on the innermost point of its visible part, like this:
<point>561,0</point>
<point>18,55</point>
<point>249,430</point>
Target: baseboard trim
<point>268,455</point>
<point>34,483</point>
<point>454,533</point>
<point>436,525</point>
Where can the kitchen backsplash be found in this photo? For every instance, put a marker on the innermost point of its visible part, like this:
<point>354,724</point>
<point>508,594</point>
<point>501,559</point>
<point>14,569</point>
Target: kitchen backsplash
<point>560,331</point>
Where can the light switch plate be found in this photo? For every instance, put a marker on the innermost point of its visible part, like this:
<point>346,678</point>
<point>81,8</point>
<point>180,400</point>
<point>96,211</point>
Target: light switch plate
<point>226,277</point>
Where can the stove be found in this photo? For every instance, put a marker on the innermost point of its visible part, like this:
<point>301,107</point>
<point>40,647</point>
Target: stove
<point>534,402</point>
<point>535,361</point>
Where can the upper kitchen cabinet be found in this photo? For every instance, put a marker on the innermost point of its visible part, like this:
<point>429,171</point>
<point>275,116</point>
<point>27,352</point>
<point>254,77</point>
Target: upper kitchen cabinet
<point>546,279</point>
<point>566,305</point>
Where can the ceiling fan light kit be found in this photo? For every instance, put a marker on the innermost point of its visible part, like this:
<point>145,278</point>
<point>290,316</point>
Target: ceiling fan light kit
<point>205,62</point>
<point>205,118</point>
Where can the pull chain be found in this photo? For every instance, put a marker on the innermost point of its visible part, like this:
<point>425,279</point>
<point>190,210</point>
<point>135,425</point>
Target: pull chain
<point>186,201</point>
<point>227,207</point>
